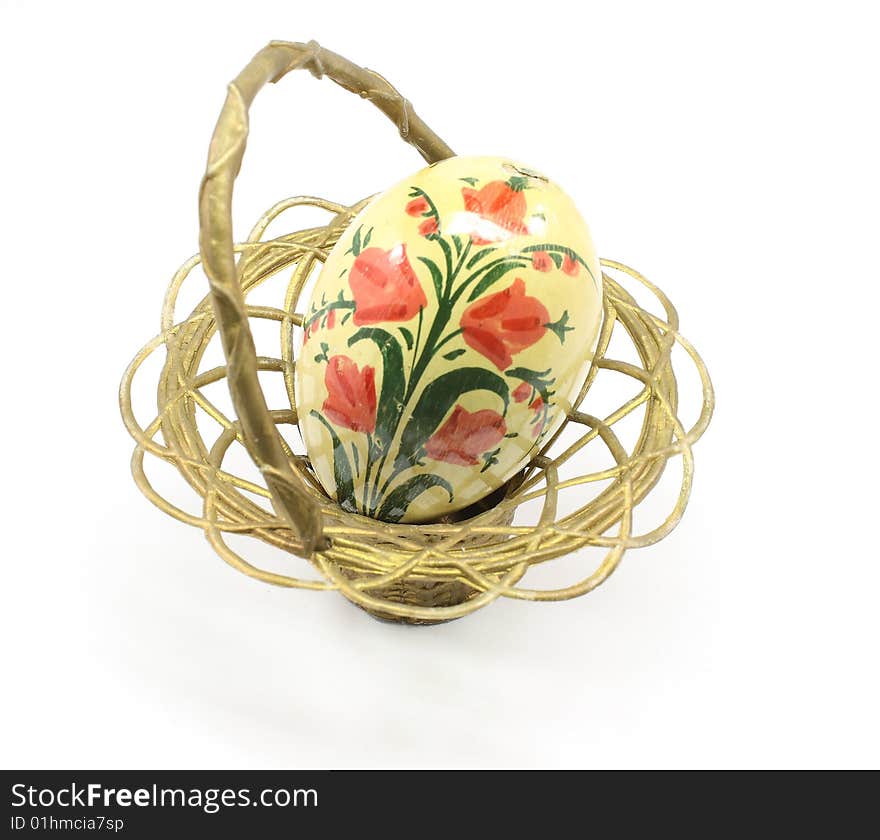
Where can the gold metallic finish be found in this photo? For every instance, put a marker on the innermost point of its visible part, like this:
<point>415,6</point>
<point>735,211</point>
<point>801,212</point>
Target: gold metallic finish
<point>405,572</point>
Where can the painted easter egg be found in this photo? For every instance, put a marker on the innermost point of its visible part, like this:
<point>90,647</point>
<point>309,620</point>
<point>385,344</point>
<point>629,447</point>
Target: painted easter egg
<point>447,335</point>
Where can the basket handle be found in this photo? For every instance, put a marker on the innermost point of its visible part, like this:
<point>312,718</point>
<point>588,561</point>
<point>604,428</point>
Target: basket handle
<point>289,495</point>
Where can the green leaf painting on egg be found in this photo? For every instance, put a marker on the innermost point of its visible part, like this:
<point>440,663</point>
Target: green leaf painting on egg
<point>455,291</point>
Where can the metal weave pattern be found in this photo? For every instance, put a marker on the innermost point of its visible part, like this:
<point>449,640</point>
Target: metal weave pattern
<point>410,573</point>
<point>489,553</point>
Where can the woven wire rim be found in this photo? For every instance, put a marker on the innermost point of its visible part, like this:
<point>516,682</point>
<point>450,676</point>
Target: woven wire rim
<point>484,556</point>
<point>488,552</point>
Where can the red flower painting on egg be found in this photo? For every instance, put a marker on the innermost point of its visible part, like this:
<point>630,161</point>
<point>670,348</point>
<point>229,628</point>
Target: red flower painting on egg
<point>523,392</point>
<point>570,266</point>
<point>351,394</point>
<point>431,313</point>
<point>503,324</point>
<point>500,202</point>
<point>418,206</point>
<point>541,261</point>
<point>465,436</point>
<point>429,227</point>
<point>384,286</point>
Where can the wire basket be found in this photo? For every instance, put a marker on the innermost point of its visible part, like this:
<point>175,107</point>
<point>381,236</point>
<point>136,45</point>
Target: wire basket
<point>414,573</point>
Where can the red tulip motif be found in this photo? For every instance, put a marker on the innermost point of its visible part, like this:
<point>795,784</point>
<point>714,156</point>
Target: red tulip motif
<point>351,394</point>
<point>418,206</point>
<point>523,392</point>
<point>384,286</point>
<point>500,202</point>
<point>541,261</point>
<point>465,436</point>
<point>570,265</point>
<point>503,324</point>
<point>429,227</point>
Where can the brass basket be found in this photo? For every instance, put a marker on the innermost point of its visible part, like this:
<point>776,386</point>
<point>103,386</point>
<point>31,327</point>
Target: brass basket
<point>411,573</point>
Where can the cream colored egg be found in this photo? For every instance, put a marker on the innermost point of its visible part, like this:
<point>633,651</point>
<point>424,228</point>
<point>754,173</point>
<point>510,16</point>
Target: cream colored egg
<point>448,333</point>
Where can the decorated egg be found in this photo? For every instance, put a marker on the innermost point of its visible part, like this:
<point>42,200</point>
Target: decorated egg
<point>448,332</point>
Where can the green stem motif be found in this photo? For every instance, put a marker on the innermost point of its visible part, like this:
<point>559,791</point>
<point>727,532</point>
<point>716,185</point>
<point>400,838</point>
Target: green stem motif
<point>368,470</point>
<point>418,338</point>
<point>560,249</point>
<point>318,314</point>
<point>420,364</point>
<point>380,493</point>
<point>441,320</point>
<point>481,269</point>
<point>418,192</point>
<point>461,261</point>
<point>376,494</point>
<point>433,341</point>
<point>491,272</point>
<point>453,334</point>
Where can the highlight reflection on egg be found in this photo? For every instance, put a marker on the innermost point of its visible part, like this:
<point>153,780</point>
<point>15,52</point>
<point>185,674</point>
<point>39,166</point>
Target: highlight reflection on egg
<point>447,334</point>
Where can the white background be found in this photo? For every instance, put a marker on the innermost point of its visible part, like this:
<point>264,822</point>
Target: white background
<point>729,152</point>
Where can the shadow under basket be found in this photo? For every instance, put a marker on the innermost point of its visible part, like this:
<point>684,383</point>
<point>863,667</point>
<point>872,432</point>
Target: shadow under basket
<point>411,573</point>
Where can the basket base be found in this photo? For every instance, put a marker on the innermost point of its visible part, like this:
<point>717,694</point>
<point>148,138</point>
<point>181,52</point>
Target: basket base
<point>419,593</point>
<point>442,592</point>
